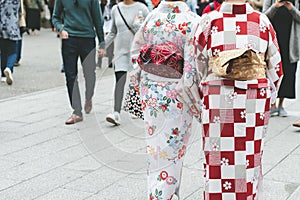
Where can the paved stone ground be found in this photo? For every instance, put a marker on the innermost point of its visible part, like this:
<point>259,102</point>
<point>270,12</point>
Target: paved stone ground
<point>41,158</point>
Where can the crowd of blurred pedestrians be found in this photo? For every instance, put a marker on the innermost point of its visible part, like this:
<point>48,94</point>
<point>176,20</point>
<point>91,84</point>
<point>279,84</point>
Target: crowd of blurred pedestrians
<point>26,16</point>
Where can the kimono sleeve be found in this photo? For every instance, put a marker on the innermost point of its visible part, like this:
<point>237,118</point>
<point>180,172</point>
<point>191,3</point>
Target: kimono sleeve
<point>273,58</point>
<point>138,41</point>
<point>188,86</point>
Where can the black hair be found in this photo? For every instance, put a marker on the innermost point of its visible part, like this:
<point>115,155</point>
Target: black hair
<point>112,3</point>
<point>76,3</point>
<point>141,1</point>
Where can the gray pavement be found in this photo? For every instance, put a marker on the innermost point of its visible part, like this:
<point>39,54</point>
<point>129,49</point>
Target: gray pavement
<point>41,158</point>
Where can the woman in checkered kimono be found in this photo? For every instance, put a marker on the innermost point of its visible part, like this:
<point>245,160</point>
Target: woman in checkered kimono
<point>235,113</point>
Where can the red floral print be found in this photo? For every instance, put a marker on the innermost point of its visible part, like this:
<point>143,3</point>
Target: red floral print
<point>175,131</point>
<point>163,175</point>
<point>143,105</point>
<point>170,180</point>
<point>179,105</point>
<point>150,130</point>
<point>181,152</point>
<point>158,23</point>
<point>183,27</point>
<point>164,107</point>
<point>176,10</point>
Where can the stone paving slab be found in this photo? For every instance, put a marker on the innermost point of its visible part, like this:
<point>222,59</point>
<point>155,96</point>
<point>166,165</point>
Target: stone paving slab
<point>65,194</point>
<point>30,170</point>
<point>295,195</point>
<point>96,181</point>
<point>40,185</point>
<point>277,190</point>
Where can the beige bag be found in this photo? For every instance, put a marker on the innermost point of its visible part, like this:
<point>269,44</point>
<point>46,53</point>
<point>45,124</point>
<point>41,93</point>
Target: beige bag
<point>238,64</point>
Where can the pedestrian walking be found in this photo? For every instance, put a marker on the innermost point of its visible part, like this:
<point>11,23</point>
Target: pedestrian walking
<point>82,18</point>
<point>285,18</point>
<point>9,35</point>
<point>33,14</point>
<point>238,61</point>
<point>126,20</point>
<point>51,4</point>
<point>161,47</point>
<point>23,29</point>
<point>106,7</point>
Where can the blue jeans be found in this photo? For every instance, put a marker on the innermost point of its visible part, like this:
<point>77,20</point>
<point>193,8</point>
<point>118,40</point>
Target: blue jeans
<point>8,52</point>
<point>19,50</point>
<point>84,48</point>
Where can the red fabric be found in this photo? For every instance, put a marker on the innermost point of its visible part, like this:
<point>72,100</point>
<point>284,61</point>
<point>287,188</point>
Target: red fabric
<point>207,8</point>
<point>240,9</point>
<point>231,159</point>
<point>163,59</point>
<point>155,3</point>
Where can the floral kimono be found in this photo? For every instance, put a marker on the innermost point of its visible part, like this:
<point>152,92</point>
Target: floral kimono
<point>167,119</point>
<point>235,113</point>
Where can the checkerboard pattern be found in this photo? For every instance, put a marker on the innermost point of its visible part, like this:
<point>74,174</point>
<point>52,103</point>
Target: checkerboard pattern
<point>234,124</point>
<point>235,113</point>
<point>236,27</point>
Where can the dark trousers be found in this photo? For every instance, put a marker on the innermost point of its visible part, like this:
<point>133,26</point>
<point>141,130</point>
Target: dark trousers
<point>119,89</point>
<point>8,53</point>
<point>51,13</point>
<point>84,48</point>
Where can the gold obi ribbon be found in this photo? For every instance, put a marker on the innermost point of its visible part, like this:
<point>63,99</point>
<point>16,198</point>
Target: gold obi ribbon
<point>239,64</point>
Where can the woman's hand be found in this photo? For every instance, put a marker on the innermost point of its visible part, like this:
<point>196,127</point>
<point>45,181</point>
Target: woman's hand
<point>101,52</point>
<point>288,5</point>
<point>64,35</point>
<point>279,3</point>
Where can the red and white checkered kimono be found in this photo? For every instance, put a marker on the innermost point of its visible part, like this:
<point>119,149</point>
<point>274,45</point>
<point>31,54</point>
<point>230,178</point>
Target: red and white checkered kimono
<point>235,114</point>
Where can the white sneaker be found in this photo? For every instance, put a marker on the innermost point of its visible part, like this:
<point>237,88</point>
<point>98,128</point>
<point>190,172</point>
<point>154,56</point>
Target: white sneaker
<point>8,75</point>
<point>114,118</point>
<point>273,111</point>
<point>3,79</point>
<point>282,112</point>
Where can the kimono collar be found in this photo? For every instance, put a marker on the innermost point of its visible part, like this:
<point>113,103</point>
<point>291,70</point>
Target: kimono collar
<point>173,6</point>
<point>229,8</point>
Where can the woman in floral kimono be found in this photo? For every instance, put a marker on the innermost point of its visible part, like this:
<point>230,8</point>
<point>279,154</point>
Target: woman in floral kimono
<point>167,120</point>
<point>235,112</point>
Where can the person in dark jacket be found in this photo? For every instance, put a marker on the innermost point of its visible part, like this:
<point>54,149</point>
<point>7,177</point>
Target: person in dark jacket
<point>33,14</point>
<point>82,18</point>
